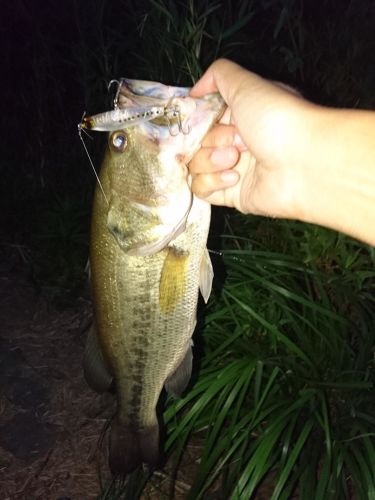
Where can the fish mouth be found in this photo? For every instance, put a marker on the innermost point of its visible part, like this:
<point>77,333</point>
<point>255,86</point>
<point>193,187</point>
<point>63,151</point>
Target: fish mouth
<point>180,108</point>
<point>151,89</point>
<point>139,102</point>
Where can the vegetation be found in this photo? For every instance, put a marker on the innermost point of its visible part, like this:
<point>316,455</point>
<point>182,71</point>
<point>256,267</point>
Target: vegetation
<point>285,390</point>
<point>286,387</point>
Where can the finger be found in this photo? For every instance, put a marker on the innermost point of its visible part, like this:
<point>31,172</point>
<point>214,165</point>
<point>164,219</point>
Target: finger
<point>226,117</point>
<point>215,79</point>
<point>208,160</point>
<point>204,185</point>
<point>220,136</point>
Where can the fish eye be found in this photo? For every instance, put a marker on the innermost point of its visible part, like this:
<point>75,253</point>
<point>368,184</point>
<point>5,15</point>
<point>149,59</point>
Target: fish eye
<point>118,141</point>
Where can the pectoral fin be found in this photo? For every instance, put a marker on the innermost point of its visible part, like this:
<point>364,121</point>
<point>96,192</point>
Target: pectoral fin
<point>206,276</point>
<point>139,230</point>
<point>95,368</point>
<point>173,279</point>
<point>178,381</point>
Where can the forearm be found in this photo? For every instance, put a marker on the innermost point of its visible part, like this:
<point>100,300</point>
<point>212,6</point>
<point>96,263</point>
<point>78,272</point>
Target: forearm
<point>338,184</point>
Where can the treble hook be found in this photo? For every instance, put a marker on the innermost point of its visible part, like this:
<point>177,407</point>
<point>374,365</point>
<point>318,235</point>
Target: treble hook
<point>170,125</point>
<point>180,127</point>
<point>175,111</point>
<point>115,99</point>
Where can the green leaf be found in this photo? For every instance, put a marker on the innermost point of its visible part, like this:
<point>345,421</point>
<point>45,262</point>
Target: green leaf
<point>293,457</point>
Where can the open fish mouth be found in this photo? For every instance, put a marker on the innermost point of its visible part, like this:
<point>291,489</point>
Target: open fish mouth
<point>138,101</point>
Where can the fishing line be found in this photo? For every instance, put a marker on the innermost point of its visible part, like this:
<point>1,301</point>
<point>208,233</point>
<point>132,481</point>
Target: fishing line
<point>80,129</point>
<point>215,252</point>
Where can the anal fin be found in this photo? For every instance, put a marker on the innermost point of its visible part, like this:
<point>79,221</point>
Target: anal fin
<point>95,368</point>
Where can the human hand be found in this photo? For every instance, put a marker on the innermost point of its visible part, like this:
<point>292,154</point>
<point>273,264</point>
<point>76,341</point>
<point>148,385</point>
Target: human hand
<point>246,161</point>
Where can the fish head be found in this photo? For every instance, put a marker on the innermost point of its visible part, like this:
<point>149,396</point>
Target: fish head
<point>145,172</point>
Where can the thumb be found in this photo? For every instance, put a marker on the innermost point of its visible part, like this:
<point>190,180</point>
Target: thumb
<point>222,76</point>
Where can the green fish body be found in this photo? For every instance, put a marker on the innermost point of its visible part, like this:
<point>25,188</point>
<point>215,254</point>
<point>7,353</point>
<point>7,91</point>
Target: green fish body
<point>148,260</point>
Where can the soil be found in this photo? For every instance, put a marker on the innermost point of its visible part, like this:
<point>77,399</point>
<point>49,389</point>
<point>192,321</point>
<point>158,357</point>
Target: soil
<point>50,421</point>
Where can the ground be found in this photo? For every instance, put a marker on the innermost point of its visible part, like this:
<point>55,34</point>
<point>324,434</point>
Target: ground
<point>50,421</point>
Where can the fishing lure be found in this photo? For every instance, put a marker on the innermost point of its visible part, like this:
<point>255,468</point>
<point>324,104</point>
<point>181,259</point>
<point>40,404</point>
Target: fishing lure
<point>120,118</point>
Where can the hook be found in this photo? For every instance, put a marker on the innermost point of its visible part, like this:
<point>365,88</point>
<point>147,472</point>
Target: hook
<point>175,112</point>
<point>115,99</point>
<point>180,126</point>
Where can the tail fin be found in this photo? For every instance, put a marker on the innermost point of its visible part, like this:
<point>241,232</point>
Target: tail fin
<point>129,448</point>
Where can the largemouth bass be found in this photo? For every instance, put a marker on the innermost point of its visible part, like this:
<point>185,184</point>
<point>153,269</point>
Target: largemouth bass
<point>148,259</point>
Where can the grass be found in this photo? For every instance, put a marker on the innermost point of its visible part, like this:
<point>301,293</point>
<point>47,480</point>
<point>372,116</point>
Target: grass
<point>286,387</point>
<point>59,245</point>
<point>190,35</point>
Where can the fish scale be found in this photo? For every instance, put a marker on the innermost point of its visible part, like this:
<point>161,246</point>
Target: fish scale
<point>148,260</point>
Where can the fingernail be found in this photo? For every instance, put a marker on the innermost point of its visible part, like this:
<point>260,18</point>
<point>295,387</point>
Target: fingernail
<point>238,142</point>
<point>225,157</point>
<point>229,177</point>
<point>219,157</point>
